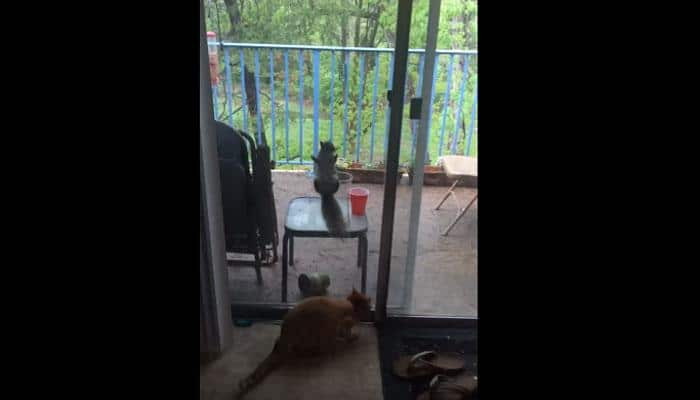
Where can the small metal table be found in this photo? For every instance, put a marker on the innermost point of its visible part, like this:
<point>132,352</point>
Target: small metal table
<point>304,219</point>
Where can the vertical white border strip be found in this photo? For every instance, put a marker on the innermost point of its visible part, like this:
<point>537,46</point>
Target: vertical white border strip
<point>421,145</point>
<point>216,270</point>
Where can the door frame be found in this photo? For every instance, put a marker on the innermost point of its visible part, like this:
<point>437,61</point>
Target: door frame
<point>402,315</point>
<point>421,151</point>
<point>396,102</point>
<point>214,305</point>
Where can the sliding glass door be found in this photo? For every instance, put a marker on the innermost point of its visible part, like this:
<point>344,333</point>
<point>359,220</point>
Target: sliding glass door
<point>434,257</point>
<point>280,90</point>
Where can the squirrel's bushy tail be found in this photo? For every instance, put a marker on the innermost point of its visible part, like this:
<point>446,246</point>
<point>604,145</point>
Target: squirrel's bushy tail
<point>333,215</point>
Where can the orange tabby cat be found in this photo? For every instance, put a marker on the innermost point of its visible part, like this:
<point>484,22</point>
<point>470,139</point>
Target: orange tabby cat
<point>311,328</point>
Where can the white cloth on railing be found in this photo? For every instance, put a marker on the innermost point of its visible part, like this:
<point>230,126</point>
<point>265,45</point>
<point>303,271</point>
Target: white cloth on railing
<point>458,166</point>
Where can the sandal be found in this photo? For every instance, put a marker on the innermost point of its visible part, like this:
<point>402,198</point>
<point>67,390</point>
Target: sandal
<point>428,363</point>
<point>442,387</point>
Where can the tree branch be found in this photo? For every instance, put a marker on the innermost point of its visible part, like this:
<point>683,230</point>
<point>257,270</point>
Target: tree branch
<point>234,16</point>
<point>357,26</point>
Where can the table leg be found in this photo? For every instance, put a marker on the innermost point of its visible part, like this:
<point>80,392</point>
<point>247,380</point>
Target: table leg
<point>291,250</point>
<point>365,249</point>
<point>285,243</point>
<point>274,250</point>
<point>257,263</point>
<point>359,251</point>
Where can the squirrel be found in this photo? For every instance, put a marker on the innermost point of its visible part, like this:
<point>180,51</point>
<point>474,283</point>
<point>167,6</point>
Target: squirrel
<point>326,183</point>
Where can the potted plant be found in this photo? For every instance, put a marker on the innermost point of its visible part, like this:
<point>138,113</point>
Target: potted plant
<point>366,172</point>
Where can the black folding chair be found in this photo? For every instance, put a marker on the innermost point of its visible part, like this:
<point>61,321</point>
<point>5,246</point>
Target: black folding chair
<point>250,219</point>
<point>459,168</point>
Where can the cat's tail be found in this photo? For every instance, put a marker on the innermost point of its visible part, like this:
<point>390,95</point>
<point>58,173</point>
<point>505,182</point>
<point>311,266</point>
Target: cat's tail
<point>272,361</point>
<point>333,215</point>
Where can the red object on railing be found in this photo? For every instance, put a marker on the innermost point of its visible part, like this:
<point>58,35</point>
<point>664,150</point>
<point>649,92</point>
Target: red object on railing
<point>213,58</point>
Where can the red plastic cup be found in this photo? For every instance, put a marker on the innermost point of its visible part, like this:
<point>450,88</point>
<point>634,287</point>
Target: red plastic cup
<point>358,200</point>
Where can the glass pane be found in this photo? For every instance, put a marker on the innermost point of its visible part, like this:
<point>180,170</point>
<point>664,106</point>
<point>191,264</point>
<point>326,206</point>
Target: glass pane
<point>293,76</point>
<point>444,279</point>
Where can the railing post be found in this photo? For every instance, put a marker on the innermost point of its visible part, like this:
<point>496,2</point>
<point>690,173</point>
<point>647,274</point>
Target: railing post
<point>458,118</point>
<point>358,139</point>
<point>229,98</point>
<point>471,120</point>
<point>332,105</point>
<point>243,93</point>
<point>345,107</point>
<point>430,110</point>
<point>301,106</point>
<point>316,99</point>
<point>374,106</point>
<point>286,103</point>
<point>446,104</point>
<point>388,104</point>
<point>258,117</point>
<point>272,106</point>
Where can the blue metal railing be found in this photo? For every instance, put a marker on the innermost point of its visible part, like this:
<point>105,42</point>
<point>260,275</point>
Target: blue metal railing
<point>366,75</point>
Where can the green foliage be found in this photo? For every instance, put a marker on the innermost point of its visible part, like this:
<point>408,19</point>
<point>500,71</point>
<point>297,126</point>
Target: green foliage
<point>333,23</point>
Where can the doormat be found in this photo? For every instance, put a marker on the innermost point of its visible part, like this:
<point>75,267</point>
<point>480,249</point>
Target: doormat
<point>395,341</point>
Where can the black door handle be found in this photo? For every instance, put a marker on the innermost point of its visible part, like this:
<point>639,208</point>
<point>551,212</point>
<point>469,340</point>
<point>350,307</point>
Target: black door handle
<point>416,105</point>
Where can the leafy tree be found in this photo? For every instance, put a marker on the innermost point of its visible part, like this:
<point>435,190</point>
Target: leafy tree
<point>355,23</point>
